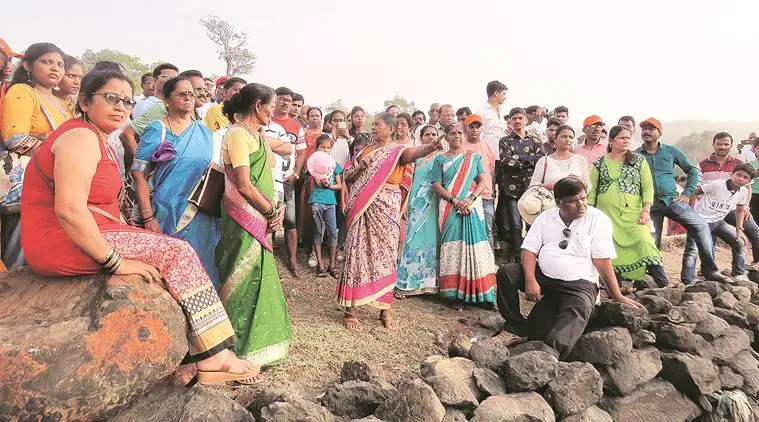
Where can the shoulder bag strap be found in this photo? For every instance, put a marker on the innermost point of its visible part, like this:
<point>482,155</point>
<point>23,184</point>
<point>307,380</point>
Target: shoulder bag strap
<point>545,168</point>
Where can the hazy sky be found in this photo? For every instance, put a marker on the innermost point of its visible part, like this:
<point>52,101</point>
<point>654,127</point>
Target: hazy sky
<point>670,59</point>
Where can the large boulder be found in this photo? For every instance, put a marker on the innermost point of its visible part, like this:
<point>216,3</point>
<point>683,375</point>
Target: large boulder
<point>711,327</point>
<point>296,408</point>
<point>725,300</point>
<point>750,310</point>
<point>527,407</point>
<point>414,401</point>
<point>681,338</point>
<point>355,399</point>
<point>729,379</point>
<point>604,346</point>
<point>529,371</point>
<point>693,375</point>
<point>631,371</point>
<point>643,338</point>
<point>714,288</point>
<point>726,347</point>
<point>746,365</point>
<point>591,414</point>
<point>83,347</point>
<point>673,296</point>
<point>651,402</point>
<point>489,382</point>
<point>701,297</point>
<point>630,317</point>
<point>453,380</point>
<point>577,386</point>
<point>491,353</point>
<point>178,404</point>
<point>655,304</point>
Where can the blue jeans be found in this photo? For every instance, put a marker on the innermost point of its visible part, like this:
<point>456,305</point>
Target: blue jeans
<point>751,229</point>
<point>325,224</point>
<point>725,232</point>
<point>697,229</point>
<point>488,210</point>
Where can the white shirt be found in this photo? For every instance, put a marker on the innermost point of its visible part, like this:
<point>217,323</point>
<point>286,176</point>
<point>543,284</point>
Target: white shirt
<point>717,200</point>
<point>747,154</point>
<point>143,106</point>
<point>493,127</point>
<point>556,170</point>
<point>341,150</point>
<point>590,238</point>
<point>282,164</point>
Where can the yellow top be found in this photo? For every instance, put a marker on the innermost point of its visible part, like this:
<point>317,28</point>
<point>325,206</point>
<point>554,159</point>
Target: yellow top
<point>396,177</point>
<point>215,119</point>
<point>237,146</point>
<point>23,112</point>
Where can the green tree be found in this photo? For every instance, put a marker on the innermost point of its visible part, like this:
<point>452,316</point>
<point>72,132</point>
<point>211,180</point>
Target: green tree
<point>232,50</point>
<point>133,67</point>
<point>402,103</point>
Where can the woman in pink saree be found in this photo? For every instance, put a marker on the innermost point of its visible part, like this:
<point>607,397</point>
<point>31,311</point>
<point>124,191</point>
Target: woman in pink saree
<point>375,198</point>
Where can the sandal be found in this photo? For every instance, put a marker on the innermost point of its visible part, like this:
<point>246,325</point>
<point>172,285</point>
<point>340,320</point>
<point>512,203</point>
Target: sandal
<point>333,273</point>
<point>321,273</point>
<point>223,376</point>
<point>351,323</point>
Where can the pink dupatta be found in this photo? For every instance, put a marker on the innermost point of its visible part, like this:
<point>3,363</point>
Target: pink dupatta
<point>243,213</point>
<point>367,187</point>
<point>458,186</point>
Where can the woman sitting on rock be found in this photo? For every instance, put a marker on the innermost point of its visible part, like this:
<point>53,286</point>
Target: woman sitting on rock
<point>71,226</point>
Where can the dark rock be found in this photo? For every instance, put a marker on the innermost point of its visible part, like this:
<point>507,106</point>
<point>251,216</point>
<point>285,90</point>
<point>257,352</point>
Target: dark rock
<point>729,345</point>
<point>632,370</point>
<point>534,345</point>
<point>650,403</point>
<point>591,414</point>
<point>296,408</point>
<point>527,407</point>
<point>355,399</point>
<point>672,295</point>
<point>742,293</point>
<point>711,327</point>
<point>451,378</point>
<point>459,346</point>
<point>725,300</point>
<point>493,321</point>
<point>680,338</point>
<point>693,375</point>
<point>732,317</point>
<point>700,297</point>
<point>750,310</point>
<point>577,386</point>
<point>729,378</point>
<point>753,275</point>
<point>604,346</point>
<point>705,306</point>
<point>178,404</point>
<point>630,317</point>
<point>712,287</point>
<point>529,371</point>
<point>489,382</point>
<point>277,391</point>
<point>655,304</point>
<point>490,353</point>
<point>355,371</point>
<point>83,348</point>
<point>414,401</point>
<point>693,312</point>
<point>454,415</point>
<point>746,365</point>
<point>643,338</point>
<point>750,285</point>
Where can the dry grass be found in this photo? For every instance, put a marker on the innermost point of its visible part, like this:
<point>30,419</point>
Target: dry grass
<point>424,326</point>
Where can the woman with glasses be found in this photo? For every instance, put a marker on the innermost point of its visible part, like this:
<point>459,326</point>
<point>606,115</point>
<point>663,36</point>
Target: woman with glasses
<point>179,150</point>
<point>561,163</point>
<point>623,188</point>
<point>30,112</point>
<point>71,226</point>
<point>467,266</point>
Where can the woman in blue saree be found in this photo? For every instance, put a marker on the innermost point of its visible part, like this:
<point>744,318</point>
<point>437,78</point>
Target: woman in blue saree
<point>467,266</point>
<point>180,150</point>
<point>417,270</point>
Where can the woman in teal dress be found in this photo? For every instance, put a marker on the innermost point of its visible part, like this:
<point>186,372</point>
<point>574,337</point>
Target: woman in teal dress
<point>417,271</point>
<point>180,150</point>
<point>623,188</point>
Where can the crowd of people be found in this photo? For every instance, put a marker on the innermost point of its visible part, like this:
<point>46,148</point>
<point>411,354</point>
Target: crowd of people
<point>190,181</point>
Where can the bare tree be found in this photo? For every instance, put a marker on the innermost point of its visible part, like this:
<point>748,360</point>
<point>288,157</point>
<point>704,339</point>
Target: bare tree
<point>231,44</point>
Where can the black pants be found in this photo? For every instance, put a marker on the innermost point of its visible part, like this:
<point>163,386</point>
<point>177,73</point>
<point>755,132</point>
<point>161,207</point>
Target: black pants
<point>509,221</point>
<point>750,228</point>
<point>560,317</point>
<point>12,254</point>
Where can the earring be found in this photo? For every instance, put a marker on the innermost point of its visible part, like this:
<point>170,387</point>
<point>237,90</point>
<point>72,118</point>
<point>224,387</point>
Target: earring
<point>29,76</point>
<point>56,88</point>
<point>84,116</point>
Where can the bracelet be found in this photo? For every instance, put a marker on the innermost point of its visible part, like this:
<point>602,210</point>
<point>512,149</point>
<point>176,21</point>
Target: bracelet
<point>149,219</point>
<point>113,261</point>
<point>451,198</point>
<point>271,213</point>
<point>115,266</point>
<point>108,256</point>
<point>472,197</point>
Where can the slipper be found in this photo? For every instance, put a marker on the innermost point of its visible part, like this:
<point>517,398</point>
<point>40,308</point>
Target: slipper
<point>333,273</point>
<point>223,376</point>
<point>321,273</point>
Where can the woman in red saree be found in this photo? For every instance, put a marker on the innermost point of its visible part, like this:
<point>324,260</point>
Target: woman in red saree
<point>371,247</point>
<point>69,226</point>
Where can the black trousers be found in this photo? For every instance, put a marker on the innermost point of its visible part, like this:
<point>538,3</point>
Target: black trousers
<point>509,222</point>
<point>559,318</point>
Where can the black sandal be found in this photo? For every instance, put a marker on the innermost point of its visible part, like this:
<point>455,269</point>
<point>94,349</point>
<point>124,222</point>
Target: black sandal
<point>321,273</point>
<point>331,271</point>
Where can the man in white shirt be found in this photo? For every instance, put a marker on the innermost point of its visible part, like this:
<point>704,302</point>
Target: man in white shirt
<point>494,124</point>
<point>564,252</point>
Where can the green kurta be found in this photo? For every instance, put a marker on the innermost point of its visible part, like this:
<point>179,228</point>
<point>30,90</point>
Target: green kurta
<point>620,192</point>
<point>250,287</point>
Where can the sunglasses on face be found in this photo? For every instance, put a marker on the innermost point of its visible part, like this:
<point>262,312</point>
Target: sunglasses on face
<point>113,99</point>
<point>564,243</point>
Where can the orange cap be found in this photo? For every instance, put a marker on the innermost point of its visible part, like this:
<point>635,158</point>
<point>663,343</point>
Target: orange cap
<point>471,119</point>
<point>6,49</point>
<point>221,81</point>
<point>591,120</point>
<point>651,121</point>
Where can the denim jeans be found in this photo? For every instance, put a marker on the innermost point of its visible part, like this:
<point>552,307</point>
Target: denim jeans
<point>289,198</point>
<point>487,209</point>
<point>509,220</point>
<point>751,229</point>
<point>697,229</point>
<point>325,224</point>
<point>727,233</point>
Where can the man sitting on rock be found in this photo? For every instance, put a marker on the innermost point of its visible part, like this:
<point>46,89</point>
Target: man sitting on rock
<point>565,250</point>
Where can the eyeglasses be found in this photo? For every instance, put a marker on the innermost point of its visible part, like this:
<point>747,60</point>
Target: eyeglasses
<point>113,99</point>
<point>284,100</point>
<point>564,243</point>
<point>187,95</point>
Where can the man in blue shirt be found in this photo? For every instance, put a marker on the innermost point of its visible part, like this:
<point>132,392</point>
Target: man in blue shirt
<point>662,159</point>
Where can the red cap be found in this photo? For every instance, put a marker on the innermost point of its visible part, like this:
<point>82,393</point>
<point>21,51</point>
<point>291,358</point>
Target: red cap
<point>651,121</point>
<point>6,49</point>
<point>221,81</point>
<point>591,120</point>
<point>471,119</point>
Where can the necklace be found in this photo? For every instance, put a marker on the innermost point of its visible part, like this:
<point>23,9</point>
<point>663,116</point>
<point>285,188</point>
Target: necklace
<point>51,100</point>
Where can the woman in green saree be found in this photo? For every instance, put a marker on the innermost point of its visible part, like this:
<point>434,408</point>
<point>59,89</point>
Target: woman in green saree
<point>250,285</point>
